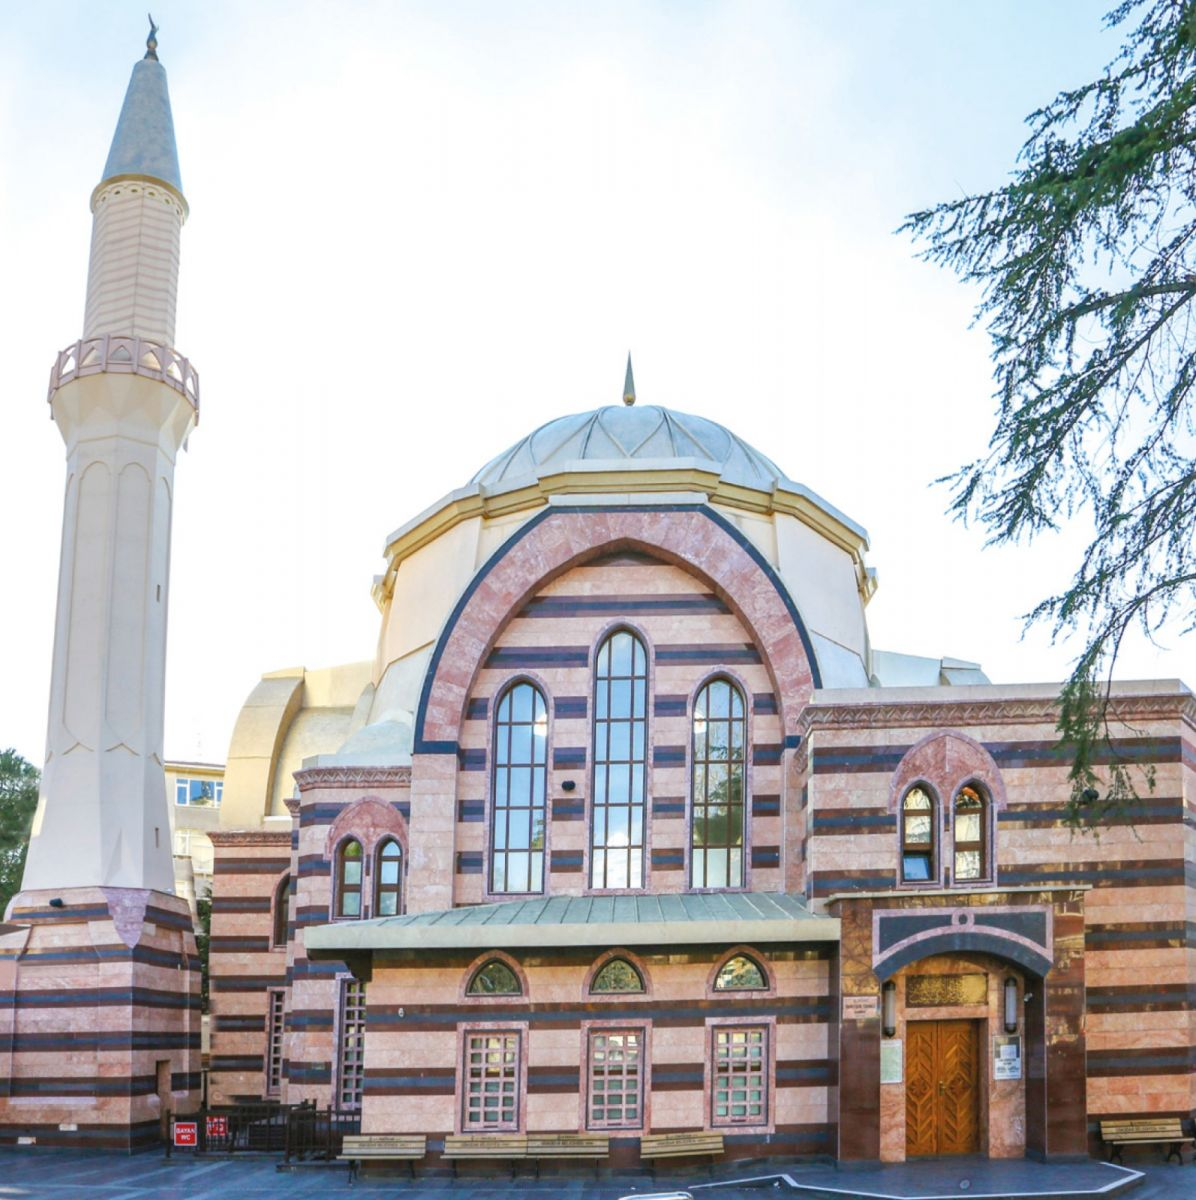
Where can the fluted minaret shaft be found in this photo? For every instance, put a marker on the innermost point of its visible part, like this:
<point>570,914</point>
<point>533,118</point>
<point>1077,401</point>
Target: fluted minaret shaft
<point>124,401</point>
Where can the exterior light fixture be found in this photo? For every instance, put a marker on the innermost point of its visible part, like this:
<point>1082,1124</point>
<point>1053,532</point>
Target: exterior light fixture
<point>888,999</point>
<point>1010,1004</point>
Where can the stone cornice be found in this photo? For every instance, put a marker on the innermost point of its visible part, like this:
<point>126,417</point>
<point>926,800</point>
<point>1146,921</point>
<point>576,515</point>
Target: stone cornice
<point>251,837</point>
<point>353,777</point>
<point>1005,711</point>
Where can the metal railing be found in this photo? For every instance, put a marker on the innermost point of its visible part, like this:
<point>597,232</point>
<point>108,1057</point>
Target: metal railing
<point>300,1132</point>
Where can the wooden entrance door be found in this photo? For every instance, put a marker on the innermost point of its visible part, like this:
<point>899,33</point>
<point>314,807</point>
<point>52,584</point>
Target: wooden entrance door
<point>942,1087</point>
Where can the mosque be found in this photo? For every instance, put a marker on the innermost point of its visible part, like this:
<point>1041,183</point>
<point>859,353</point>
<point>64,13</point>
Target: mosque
<point>625,828</point>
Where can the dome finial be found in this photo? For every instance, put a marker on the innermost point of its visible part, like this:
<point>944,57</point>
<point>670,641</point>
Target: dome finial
<point>629,384</point>
<point>151,42</point>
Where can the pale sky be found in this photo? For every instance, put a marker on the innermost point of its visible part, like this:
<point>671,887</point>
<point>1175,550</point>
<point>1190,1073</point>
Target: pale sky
<point>419,230</point>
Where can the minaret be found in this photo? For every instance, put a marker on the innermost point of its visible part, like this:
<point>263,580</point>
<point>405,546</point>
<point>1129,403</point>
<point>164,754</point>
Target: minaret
<point>99,977</point>
<point>124,400</point>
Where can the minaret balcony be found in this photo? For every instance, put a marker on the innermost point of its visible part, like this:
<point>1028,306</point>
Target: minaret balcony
<point>122,355</point>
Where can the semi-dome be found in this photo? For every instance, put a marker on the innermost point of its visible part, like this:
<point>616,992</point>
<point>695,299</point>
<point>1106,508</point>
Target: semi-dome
<point>626,434</point>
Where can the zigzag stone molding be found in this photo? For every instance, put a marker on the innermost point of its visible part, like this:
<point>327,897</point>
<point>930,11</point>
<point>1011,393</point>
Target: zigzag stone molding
<point>353,777</point>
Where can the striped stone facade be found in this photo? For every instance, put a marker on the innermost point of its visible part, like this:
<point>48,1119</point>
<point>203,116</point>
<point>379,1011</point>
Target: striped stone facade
<point>1082,945</point>
<point>100,1021</point>
<point>245,962</point>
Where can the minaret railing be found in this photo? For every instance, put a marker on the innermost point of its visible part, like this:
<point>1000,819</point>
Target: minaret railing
<point>123,355</point>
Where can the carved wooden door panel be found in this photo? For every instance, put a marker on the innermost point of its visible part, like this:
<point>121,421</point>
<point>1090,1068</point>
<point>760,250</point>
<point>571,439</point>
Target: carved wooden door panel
<point>921,1088</point>
<point>942,1087</point>
<point>959,1093</point>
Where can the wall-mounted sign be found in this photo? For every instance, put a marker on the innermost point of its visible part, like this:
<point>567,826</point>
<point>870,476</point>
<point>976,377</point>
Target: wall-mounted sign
<point>936,991</point>
<point>891,1060</point>
<point>861,1008</point>
<point>1007,1057</point>
<point>186,1133</point>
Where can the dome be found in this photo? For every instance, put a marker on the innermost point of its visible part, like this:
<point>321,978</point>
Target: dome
<point>626,435</point>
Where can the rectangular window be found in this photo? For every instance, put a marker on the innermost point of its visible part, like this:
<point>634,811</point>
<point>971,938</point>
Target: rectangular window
<point>490,1077</point>
<point>207,793</point>
<point>740,1075</point>
<point>274,1030</point>
<point>351,1075</point>
<point>616,1080</point>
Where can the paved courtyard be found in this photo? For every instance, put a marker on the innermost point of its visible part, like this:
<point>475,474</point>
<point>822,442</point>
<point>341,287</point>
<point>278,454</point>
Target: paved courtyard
<point>57,1175</point>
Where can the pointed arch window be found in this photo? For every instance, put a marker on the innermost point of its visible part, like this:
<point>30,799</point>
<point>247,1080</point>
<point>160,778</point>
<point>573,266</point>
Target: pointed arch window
<point>620,754</point>
<point>917,836</point>
<point>494,978</point>
<point>282,895</point>
<point>719,729</point>
<point>969,840</point>
<point>741,973</point>
<point>519,791</point>
<point>350,868</point>
<point>617,976</point>
<point>388,879</point>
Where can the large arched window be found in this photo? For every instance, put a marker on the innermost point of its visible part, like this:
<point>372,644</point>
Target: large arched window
<point>388,879</point>
<point>617,976</point>
<point>917,836</point>
<point>520,785</point>
<point>620,753</point>
<point>716,828</point>
<point>969,836</point>
<point>349,868</point>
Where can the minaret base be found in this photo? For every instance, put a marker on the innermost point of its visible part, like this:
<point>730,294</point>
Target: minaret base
<point>99,1018</point>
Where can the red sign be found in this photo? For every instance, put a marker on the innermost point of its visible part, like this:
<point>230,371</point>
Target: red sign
<point>218,1127</point>
<point>186,1133</point>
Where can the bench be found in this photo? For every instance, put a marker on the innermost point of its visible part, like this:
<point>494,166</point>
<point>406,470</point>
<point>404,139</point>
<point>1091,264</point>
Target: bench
<point>680,1145</point>
<point>485,1145</point>
<point>1144,1131</point>
<point>593,1146</point>
<point>373,1147</point>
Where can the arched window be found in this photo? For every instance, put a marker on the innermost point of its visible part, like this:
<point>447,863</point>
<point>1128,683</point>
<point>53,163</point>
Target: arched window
<point>494,978</point>
<point>618,975</point>
<point>520,786</point>
<point>620,752</point>
<point>349,864</point>
<point>388,879</point>
<point>282,895</point>
<point>716,830</point>
<point>917,836</point>
<point>969,835</point>
<point>741,974</point>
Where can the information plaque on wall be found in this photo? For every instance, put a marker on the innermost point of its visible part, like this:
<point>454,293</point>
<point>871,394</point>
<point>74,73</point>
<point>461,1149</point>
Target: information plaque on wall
<point>861,1008</point>
<point>1007,1057</point>
<point>890,1060</point>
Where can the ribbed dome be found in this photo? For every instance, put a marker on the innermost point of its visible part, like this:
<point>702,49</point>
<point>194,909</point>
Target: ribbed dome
<point>619,434</point>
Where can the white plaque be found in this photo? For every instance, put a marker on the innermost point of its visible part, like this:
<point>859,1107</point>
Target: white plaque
<point>1007,1057</point>
<point>861,1008</point>
<point>891,1063</point>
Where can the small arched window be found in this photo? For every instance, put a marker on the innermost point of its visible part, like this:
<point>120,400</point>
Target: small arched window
<point>388,879</point>
<point>719,734</point>
<point>520,791</point>
<point>282,896</point>
<point>494,978</point>
<point>349,868</point>
<point>969,835</point>
<point>917,836</point>
<point>741,974</point>
<point>618,975</point>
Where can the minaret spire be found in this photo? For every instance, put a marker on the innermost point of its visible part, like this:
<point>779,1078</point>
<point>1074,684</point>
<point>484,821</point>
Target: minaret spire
<point>629,384</point>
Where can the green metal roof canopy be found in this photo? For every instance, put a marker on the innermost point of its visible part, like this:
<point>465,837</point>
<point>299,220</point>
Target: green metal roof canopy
<point>584,921</point>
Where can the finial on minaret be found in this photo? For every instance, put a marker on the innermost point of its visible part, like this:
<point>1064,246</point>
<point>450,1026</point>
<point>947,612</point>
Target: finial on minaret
<point>629,384</point>
<point>151,42</point>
